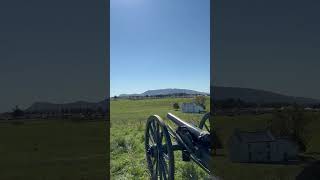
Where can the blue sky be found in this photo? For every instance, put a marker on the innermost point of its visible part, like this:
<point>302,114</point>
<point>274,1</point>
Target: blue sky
<point>159,44</point>
<point>51,51</point>
<point>268,44</point>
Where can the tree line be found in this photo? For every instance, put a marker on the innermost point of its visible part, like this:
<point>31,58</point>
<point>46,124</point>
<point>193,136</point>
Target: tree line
<point>238,103</point>
<point>17,112</point>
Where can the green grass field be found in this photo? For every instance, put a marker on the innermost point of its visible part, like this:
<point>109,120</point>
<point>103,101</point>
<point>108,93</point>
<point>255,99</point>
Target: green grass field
<point>128,119</point>
<point>65,149</point>
<point>53,149</point>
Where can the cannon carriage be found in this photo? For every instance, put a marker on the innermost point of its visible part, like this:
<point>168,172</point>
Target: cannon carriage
<point>162,140</point>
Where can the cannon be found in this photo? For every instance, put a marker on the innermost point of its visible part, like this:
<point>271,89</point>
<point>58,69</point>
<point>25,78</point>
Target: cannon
<point>162,140</point>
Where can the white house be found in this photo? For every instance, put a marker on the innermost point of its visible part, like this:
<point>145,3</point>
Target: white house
<point>260,146</point>
<point>191,108</point>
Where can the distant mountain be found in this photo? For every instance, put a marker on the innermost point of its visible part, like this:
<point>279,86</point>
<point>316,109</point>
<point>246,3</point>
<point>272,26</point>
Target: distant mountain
<point>220,93</point>
<point>165,92</point>
<point>245,94</point>
<point>258,96</point>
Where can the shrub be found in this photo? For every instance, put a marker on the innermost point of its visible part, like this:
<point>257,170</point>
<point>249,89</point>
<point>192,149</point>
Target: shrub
<point>201,101</point>
<point>176,106</point>
<point>292,122</point>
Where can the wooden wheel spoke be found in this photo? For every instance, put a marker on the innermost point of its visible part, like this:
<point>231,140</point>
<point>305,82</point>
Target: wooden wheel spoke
<point>165,156</point>
<point>160,173</point>
<point>152,135</point>
<point>164,166</point>
<point>163,140</point>
<point>148,147</point>
<point>205,125</point>
<point>157,167</point>
<point>153,129</point>
<point>158,134</point>
<point>154,162</point>
<point>159,149</point>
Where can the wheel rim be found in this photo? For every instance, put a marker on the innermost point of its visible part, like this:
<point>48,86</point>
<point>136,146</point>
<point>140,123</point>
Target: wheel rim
<point>205,123</point>
<point>158,147</point>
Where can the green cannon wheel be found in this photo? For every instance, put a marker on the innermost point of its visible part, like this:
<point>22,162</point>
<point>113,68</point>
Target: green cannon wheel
<point>159,152</point>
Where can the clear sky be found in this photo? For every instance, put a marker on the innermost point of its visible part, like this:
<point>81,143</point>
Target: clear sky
<point>159,44</point>
<point>51,51</point>
<point>269,44</point>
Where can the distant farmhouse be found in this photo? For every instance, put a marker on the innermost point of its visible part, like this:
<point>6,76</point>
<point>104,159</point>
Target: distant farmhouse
<point>260,146</point>
<point>191,108</point>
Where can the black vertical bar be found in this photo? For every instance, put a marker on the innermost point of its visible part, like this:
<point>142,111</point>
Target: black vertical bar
<point>107,59</point>
<point>212,77</point>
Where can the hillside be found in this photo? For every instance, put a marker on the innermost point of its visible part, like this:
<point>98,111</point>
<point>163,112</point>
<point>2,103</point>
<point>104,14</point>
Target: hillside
<point>165,92</point>
<point>258,96</point>
<point>220,93</point>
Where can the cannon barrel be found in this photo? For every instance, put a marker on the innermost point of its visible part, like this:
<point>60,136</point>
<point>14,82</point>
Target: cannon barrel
<point>195,131</point>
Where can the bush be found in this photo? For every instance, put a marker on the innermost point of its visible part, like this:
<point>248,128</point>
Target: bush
<point>292,122</point>
<point>176,106</point>
<point>201,101</point>
<point>17,112</point>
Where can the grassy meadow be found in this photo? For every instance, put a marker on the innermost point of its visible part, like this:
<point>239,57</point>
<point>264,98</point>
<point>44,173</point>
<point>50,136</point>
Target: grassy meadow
<point>53,149</point>
<point>68,149</point>
<point>128,119</point>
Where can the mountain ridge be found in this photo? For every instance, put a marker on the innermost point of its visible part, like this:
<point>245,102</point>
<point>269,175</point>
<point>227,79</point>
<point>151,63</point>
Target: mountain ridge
<point>166,91</point>
<point>259,96</point>
<point>220,93</point>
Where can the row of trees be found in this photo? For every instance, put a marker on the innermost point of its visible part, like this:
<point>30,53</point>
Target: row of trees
<point>316,106</point>
<point>71,111</point>
<point>238,103</point>
<point>292,122</point>
<point>17,112</point>
<point>199,100</point>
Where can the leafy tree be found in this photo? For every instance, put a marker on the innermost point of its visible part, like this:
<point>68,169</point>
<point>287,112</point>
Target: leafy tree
<point>292,122</point>
<point>17,112</point>
<point>176,106</point>
<point>201,101</point>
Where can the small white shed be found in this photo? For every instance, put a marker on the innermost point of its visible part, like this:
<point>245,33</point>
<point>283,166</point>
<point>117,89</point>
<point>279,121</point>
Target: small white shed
<point>191,108</point>
<point>260,146</point>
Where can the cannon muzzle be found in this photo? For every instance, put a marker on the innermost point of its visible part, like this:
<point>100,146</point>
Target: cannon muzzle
<point>198,133</point>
